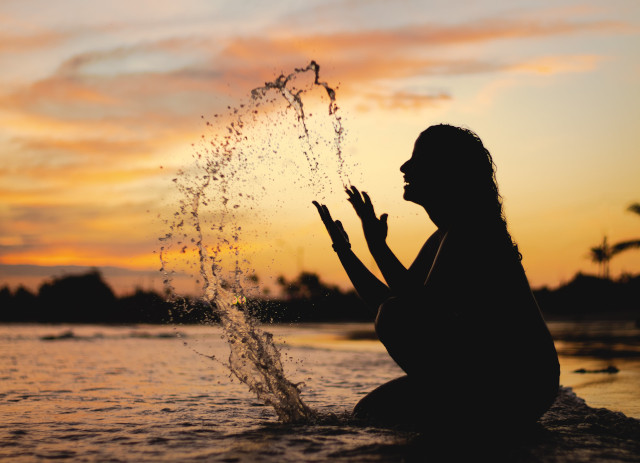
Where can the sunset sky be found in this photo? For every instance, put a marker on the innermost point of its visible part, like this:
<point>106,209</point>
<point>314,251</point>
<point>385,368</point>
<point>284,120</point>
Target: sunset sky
<point>100,103</point>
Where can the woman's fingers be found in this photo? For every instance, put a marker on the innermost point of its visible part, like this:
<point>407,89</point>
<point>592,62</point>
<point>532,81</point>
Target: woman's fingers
<point>320,210</point>
<point>324,213</point>
<point>363,206</point>
<point>336,230</point>
<point>367,200</point>
<point>341,229</point>
<point>355,198</point>
<point>368,204</point>
<point>352,197</point>
<point>353,193</point>
<point>327,214</point>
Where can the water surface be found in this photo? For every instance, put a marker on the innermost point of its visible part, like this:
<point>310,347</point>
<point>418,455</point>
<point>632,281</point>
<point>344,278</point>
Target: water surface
<point>138,393</point>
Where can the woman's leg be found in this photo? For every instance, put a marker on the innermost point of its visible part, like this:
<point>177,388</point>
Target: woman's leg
<point>410,343</point>
<point>398,402</point>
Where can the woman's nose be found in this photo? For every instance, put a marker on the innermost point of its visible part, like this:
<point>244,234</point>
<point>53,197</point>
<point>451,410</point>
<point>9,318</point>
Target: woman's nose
<point>403,167</point>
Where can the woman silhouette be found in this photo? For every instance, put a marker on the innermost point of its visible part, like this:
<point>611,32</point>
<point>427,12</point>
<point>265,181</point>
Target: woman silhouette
<point>461,321</point>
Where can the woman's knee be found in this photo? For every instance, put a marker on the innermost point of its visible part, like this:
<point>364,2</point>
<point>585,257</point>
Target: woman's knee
<point>387,399</point>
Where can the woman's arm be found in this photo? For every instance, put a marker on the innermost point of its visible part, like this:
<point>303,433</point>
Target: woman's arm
<point>422,264</point>
<point>369,288</point>
<point>399,279</point>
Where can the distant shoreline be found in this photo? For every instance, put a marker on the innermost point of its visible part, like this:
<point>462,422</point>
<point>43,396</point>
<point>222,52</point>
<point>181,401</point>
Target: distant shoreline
<point>87,298</point>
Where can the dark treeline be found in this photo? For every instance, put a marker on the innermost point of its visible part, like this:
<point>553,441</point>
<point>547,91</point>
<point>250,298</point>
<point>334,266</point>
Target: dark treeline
<point>86,298</point>
<point>589,294</point>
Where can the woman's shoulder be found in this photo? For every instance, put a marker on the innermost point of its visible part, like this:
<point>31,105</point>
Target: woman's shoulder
<point>486,254</point>
<point>479,239</point>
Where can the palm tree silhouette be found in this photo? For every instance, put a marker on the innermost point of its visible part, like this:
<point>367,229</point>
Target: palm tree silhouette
<point>603,253</point>
<point>630,244</point>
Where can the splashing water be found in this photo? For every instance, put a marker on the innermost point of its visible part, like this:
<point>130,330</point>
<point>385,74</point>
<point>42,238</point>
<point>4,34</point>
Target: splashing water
<point>232,178</point>
<point>296,103</point>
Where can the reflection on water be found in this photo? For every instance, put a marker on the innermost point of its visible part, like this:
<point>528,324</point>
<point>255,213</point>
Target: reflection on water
<point>597,346</point>
<point>136,393</point>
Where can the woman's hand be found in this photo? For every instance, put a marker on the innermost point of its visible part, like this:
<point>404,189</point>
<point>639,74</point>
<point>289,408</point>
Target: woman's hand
<point>339,237</point>
<point>375,229</point>
<point>369,287</point>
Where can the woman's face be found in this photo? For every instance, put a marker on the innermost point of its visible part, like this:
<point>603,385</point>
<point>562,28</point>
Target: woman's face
<point>426,182</point>
<point>418,175</point>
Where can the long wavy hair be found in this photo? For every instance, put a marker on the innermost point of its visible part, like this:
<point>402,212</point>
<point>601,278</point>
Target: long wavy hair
<point>462,160</point>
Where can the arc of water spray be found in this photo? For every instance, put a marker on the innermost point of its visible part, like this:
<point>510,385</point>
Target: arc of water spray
<point>295,102</point>
<point>254,358</point>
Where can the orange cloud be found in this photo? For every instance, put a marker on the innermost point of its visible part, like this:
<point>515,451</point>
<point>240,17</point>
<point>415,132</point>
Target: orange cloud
<point>360,58</point>
<point>188,74</point>
<point>50,170</point>
<point>559,64</point>
<point>133,256</point>
<point>85,232</point>
<point>97,147</point>
<point>406,100</point>
<point>18,43</point>
<point>406,40</point>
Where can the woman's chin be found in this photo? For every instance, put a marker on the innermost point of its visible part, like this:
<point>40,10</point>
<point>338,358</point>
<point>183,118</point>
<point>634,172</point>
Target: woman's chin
<point>408,195</point>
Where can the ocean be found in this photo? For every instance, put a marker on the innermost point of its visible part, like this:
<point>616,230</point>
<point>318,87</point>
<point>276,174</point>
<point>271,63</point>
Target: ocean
<point>153,393</point>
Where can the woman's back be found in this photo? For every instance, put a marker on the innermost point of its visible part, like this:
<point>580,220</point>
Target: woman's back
<point>496,333</point>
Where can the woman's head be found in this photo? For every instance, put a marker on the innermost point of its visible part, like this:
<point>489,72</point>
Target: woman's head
<point>450,170</point>
<point>452,175</point>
